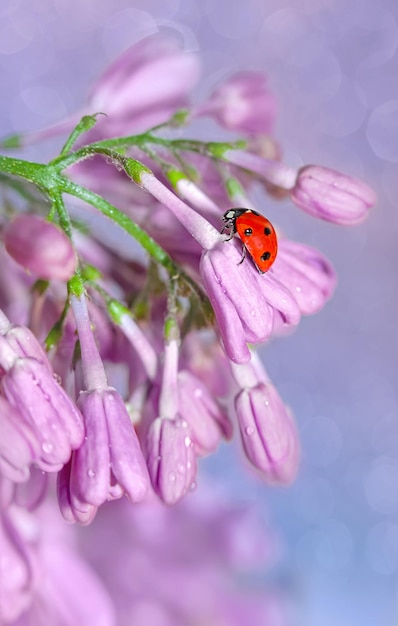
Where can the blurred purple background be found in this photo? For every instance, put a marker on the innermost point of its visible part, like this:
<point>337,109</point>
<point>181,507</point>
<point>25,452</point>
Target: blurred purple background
<point>333,65</point>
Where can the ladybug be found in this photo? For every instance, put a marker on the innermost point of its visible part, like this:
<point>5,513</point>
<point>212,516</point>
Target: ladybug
<point>257,234</point>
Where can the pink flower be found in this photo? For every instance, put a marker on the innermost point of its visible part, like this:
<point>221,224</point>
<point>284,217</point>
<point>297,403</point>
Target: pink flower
<point>248,305</point>
<point>23,341</point>
<point>204,415</point>
<point>171,458</point>
<point>267,429</point>
<point>40,247</point>
<point>144,87</point>
<point>42,405</point>
<point>319,191</point>
<point>332,196</point>
<point>244,301</point>
<point>170,452</point>
<point>242,103</point>
<point>109,463</point>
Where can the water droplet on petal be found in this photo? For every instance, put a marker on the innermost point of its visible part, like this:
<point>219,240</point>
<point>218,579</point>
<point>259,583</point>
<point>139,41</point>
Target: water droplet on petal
<point>188,442</point>
<point>91,473</point>
<point>192,486</point>
<point>249,431</point>
<point>172,477</point>
<point>198,393</point>
<point>47,447</point>
<point>181,468</point>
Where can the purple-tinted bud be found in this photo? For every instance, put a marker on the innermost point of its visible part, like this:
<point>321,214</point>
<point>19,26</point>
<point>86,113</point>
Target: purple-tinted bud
<point>43,405</point>
<point>40,247</point>
<point>22,341</point>
<point>19,446</point>
<point>110,462</point>
<point>171,458</point>
<point>206,419</point>
<point>242,103</point>
<point>145,86</point>
<point>332,196</point>
<point>72,509</point>
<point>268,433</point>
<point>243,300</point>
<point>306,273</point>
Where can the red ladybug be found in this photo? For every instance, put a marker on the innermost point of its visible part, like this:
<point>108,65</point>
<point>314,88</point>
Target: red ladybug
<point>257,234</point>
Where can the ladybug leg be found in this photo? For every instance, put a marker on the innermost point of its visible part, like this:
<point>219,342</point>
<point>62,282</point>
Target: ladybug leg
<point>243,255</point>
<point>230,234</point>
<point>229,226</point>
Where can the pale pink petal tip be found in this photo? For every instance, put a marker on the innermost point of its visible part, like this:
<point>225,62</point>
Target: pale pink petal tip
<point>332,196</point>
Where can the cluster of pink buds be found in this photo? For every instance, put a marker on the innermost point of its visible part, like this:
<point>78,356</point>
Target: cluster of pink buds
<point>118,373</point>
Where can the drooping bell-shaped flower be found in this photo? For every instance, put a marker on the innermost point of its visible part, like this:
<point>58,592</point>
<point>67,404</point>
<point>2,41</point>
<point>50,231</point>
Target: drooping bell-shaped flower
<point>170,451</point>
<point>267,428</point>
<point>109,463</point>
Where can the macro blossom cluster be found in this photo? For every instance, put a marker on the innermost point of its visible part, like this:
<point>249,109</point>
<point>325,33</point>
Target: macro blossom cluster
<point>121,366</point>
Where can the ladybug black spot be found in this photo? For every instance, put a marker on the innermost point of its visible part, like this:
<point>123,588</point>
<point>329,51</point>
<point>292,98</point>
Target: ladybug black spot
<point>248,231</point>
<point>267,231</point>
<point>265,256</point>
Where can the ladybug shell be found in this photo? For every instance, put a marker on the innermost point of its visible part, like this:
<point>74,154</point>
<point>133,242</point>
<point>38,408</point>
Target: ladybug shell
<point>259,238</point>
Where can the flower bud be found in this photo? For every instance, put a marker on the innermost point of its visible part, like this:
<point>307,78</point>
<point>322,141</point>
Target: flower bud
<point>242,103</point>
<point>40,247</point>
<point>171,458</point>
<point>268,433</point>
<point>332,196</point>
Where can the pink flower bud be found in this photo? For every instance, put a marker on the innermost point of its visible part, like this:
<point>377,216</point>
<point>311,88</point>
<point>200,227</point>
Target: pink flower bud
<point>40,247</point>
<point>207,420</point>
<point>145,86</point>
<point>171,458</point>
<point>242,103</point>
<point>332,196</point>
<point>268,433</point>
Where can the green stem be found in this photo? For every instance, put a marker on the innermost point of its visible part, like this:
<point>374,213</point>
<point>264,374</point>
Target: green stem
<point>34,172</point>
<point>107,209</point>
<point>63,215</point>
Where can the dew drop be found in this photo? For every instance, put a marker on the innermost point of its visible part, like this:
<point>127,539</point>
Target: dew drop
<point>181,468</point>
<point>47,447</point>
<point>198,393</point>
<point>249,431</point>
<point>172,477</point>
<point>192,486</point>
<point>253,313</point>
<point>188,442</point>
<point>46,397</point>
<point>189,465</point>
<point>266,403</point>
<point>91,473</point>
